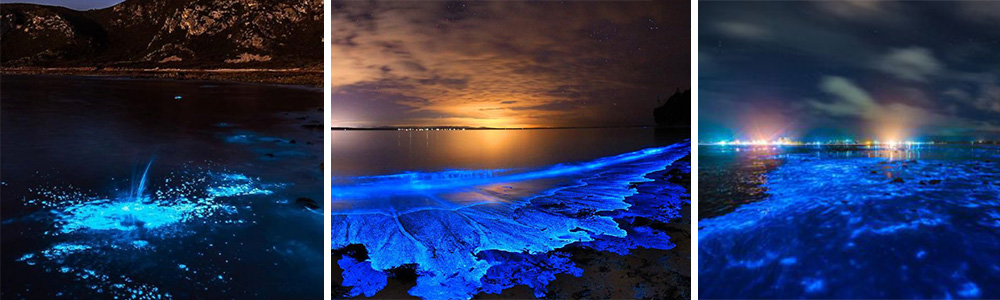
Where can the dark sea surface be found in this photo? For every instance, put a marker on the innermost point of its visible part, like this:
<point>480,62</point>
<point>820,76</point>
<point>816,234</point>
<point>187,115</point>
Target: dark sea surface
<point>121,188</point>
<point>510,213</point>
<point>374,152</point>
<point>849,222</point>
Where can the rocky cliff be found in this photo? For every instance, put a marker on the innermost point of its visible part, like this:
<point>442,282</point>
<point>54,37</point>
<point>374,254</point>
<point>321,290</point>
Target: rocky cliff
<point>165,34</point>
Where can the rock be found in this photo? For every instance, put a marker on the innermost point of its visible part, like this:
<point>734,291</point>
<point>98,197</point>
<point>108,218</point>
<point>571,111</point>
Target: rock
<point>675,111</point>
<point>313,126</point>
<point>307,203</point>
<point>897,180</point>
<point>934,181</point>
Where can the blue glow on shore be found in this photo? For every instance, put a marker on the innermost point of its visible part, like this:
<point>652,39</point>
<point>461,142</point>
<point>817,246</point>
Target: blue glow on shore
<point>899,223</point>
<point>475,231</point>
<point>361,277</point>
<point>533,270</point>
<point>416,182</point>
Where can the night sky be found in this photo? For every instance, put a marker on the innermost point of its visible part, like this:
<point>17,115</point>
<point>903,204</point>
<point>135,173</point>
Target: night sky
<point>849,69</point>
<point>506,64</point>
<point>74,4</point>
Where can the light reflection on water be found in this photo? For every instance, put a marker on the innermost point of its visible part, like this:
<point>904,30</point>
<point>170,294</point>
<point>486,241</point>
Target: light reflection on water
<point>380,152</point>
<point>855,223</point>
<point>79,221</point>
<point>476,221</point>
<point>94,227</point>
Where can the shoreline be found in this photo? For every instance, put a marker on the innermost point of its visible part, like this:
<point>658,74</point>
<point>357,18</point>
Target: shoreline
<point>306,77</point>
<point>665,273</point>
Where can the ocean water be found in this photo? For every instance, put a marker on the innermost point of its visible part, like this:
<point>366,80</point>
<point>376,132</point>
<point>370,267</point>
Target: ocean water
<point>381,152</point>
<point>849,222</point>
<point>479,212</point>
<point>154,189</point>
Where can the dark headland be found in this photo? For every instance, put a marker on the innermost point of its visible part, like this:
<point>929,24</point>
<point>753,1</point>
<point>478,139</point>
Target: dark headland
<point>674,111</point>
<point>267,41</point>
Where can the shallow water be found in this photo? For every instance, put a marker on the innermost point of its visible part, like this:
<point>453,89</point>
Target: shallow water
<point>468,231</point>
<point>159,188</point>
<point>853,223</point>
<point>380,152</point>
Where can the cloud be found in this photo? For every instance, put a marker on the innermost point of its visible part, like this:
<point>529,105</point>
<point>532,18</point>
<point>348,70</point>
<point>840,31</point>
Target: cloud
<point>896,120</point>
<point>978,90</point>
<point>957,93</point>
<point>464,58</point>
<point>767,26</point>
<point>884,120</point>
<point>862,10</point>
<point>920,65</point>
<point>851,99</point>
<point>989,98</point>
<point>987,12</point>
<point>743,30</point>
<point>913,63</point>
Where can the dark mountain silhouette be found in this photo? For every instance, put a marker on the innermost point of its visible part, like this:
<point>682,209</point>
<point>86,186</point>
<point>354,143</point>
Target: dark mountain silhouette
<point>675,111</point>
<point>165,34</point>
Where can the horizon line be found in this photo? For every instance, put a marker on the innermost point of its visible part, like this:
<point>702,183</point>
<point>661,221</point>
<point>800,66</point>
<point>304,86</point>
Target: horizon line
<point>495,128</point>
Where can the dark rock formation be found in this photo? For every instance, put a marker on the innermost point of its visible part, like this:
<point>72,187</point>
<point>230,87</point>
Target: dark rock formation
<point>675,111</point>
<point>307,203</point>
<point>165,34</point>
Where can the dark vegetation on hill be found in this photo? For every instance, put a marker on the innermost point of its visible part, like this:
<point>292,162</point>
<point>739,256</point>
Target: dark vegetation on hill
<point>151,34</point>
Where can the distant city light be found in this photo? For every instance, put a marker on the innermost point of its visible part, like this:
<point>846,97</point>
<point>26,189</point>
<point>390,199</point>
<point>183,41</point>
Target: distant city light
<point>846,142</point>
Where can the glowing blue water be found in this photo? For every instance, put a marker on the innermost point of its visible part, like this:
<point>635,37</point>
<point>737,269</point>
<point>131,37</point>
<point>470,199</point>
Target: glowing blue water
<point>534,270</point>
<point>121,215</point>
<point>920,223</point>
<point>88,226</point>
<point>77,224</point>
<point>139,191</point>
<point>361,277</point>
<point>486,230</point>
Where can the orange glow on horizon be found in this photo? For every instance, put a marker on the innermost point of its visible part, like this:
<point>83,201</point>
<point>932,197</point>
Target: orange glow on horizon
<point>764,126</point>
